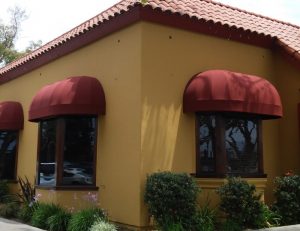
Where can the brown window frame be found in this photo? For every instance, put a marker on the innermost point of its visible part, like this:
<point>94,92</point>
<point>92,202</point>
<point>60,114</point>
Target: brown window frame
<point>59,157</point>
<point>220,151</point>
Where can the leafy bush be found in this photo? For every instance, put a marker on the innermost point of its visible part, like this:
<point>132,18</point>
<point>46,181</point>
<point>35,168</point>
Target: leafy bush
<point>41,214</point>
<point>4,190</point>
<point>9,209</point>
<point>205,218</point>
<point>241,203</point>
<point>26,211</point>
<point>287,194</point>
<point>59,221</point>
<point>230,225</point>
<point>84,219</point>
<point>171,199</point>
<point>102,225</point>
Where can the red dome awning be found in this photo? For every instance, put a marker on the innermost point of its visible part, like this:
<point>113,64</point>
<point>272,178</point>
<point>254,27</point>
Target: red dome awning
<point>225,91</point>
<point>11,116</point>
<point>79,95</point>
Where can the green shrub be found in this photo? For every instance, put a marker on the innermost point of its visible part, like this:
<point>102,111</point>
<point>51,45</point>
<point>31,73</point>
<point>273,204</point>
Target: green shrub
<point>84,219</point>
<point>287,194</point>
<point>171,199</point>
<point>205,218</point>
<point>102,225</point>
<point>59,221</point>
<point>230,225</point>
<point>26,211</point>
<point>241,203</point>
<point>4,190</point>
<point>41,214</point>
<point>9,209</point>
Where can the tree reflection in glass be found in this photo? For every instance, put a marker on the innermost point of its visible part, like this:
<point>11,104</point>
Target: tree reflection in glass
<point>241,145</point>
<point>207,125</point>
<point>47,152</point>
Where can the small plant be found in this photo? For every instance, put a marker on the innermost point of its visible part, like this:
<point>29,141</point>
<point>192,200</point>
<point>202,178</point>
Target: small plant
<point>41,214</point>
<point>171,199</point>
<point>4,190</point>
<point>9,209</point>
<point>287,194</point>
<point>205,218</point>
<point>230,225</point>
<point>59,221</point>
<point>27,194</point>
<point>84,219</point>
<point>26,211</point>
<point>102,225</point>
<point>241,203</point>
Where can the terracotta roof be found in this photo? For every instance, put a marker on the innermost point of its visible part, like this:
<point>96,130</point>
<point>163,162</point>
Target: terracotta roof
<point>205,12</point>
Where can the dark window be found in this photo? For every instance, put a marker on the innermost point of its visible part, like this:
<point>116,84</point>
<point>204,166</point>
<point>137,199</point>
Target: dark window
<point>67,153</point>
<point>8,154</point>
<point>228,145</point>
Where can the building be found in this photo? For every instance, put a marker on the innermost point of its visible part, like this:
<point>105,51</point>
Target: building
<point>179,85</point>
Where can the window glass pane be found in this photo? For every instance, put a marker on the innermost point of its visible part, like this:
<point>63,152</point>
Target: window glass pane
<point>8,144</point>
<point>241,145</point>
<point>206,131</point>
<point>79,147</point>
<point>47,152</point>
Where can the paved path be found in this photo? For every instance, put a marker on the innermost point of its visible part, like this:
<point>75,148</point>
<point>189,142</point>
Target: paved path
<point>9,225</point>
<point>288,228</point>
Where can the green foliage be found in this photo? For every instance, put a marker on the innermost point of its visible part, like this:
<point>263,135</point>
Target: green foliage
<point>26,211</point>
<point>41,214</point>
<point>241,203</point>
<point>59,221</point>
<point>287,194</point>
<point>230,225</point>
<point>102,225</point>
<point>205,218</point>
<point>4,191</point>
<point>271,218</point>
<point>84,219</point>
<point>9,209</point>
<point>171,199</point>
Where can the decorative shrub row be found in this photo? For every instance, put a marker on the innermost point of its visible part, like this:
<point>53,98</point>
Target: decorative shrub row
<point>171,200</point>
<point>26,207</point>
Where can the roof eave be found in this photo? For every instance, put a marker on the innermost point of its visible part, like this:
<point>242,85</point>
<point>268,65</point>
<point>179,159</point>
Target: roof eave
<point>134,14</point>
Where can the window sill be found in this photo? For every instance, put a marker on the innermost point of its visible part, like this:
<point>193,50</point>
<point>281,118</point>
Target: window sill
<point>260,175</point>
<point>215,182</point>
<point>68,188</point>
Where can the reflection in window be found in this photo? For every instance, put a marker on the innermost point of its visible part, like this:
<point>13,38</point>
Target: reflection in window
<point>79,151</point>
<point>228,145</point>
<point>47,152</point>
<point>206,131</point>
<point>67,151</point>
<point>241,145</point>
<point>8,149</point>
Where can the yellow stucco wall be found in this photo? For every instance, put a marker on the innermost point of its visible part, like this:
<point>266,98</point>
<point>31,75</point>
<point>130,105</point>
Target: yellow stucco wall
<point>289,88</point>
<point>170,57</point>
<point>115,61</point>
<point>144,70</point>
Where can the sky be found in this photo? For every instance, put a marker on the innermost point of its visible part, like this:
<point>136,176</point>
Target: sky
<point>48,19</point>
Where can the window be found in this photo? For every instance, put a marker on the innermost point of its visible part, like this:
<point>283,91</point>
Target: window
<point>8,154</point>
<point>67,151</point>
<point>228,145</point>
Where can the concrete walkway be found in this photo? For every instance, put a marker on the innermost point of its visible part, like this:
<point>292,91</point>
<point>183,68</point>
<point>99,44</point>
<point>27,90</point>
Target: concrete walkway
<point>288,228</point>
<point>9,225</point>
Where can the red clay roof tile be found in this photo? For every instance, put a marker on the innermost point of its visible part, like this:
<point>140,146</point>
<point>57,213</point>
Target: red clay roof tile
<point>202,10</point>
